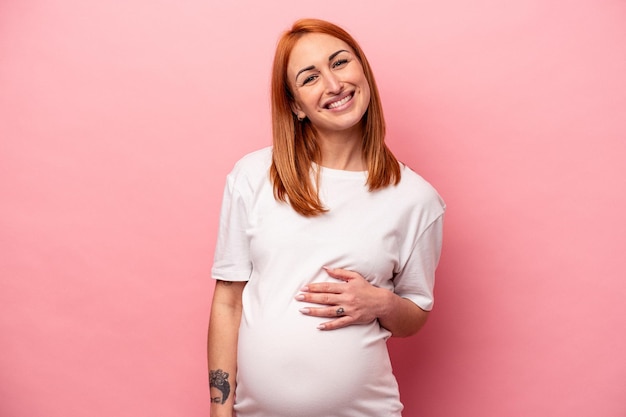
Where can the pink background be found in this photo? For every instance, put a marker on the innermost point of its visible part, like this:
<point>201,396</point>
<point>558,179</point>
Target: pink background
<point>119,121</point>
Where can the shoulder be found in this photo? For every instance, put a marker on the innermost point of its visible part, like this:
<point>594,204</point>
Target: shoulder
<point>414,184</point>
<point>415,196</point>
<point>251,171</point>
<point>254,161</point>
<point>256,164</point>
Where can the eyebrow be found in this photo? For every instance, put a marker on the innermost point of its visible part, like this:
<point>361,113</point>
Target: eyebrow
<point>310,67</point>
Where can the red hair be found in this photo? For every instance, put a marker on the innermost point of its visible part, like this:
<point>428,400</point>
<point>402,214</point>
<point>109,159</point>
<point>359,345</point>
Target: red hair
<point>294,144</point>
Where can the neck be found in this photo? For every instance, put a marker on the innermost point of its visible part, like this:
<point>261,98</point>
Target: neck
<point>342,150</point>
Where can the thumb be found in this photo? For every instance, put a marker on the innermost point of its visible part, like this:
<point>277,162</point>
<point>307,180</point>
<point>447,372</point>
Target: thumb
<point>341,274</point>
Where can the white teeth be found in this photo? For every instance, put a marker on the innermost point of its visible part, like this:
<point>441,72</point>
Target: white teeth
<point>340,102</point>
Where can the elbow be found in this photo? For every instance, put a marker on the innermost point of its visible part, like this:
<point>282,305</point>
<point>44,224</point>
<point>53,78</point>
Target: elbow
<point>412,326</point>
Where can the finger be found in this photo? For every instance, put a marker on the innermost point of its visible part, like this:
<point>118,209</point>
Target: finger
<point>324,311</point>
<point>342,274</point>
<point>325,287</point>
<point>336,324</point>
<point>321,298</point>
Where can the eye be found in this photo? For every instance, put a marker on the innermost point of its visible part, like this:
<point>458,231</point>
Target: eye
<point>339,63</point>
<point>309,79</point>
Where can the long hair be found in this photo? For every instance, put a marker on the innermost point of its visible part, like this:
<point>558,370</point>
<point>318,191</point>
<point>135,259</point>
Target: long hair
<point>294,144</point>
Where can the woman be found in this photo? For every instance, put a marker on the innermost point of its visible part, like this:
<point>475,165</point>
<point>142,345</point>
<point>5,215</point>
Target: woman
<point>327,246</point>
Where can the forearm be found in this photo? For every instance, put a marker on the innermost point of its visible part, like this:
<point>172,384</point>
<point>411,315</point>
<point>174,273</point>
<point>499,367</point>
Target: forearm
<point>222,347</point>
<point>400,316</point>
<point>356,301</point>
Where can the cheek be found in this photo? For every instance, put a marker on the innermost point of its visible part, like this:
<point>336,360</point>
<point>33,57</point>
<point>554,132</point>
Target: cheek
<point>366,91</point>
<point>362,82</point>
<point>308,99</point>
<point>299,101</point>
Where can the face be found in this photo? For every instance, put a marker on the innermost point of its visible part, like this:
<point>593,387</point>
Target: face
<point>328,82</point>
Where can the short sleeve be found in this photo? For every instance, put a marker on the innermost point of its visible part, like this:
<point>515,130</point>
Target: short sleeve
<point>232,254</point>
<point>416,280</point>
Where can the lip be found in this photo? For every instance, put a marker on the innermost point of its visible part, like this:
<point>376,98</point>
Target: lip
<point>335,99</point>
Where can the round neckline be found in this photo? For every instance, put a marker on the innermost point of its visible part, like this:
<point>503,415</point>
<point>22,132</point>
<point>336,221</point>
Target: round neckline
<point>339,173</point>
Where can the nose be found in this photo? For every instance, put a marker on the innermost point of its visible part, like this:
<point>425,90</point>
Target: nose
<point>333,85</point>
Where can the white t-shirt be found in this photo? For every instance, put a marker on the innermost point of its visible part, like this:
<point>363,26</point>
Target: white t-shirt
<point>392,237</point>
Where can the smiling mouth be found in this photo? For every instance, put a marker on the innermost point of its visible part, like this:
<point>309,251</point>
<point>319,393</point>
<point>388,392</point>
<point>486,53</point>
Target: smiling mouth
<point>341,102</point>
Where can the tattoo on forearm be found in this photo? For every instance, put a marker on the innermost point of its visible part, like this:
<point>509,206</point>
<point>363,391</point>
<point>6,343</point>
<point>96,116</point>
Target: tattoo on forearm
<point>219,380</point>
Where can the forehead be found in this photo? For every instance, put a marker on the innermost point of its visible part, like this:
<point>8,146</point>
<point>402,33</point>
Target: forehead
<point>314,49</point>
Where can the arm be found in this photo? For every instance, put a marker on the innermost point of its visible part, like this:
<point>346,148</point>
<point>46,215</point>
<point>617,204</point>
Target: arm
<point>401,316</point>
<point>222,346</point>
<point>361,302</point>
<point>356,301</point>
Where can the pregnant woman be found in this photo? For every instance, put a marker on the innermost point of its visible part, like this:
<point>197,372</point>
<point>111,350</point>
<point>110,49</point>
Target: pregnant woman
<point>327,246</point>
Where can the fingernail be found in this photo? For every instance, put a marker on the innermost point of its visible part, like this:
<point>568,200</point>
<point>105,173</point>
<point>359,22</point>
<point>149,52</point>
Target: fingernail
<point>326,268</point>
<point>305,310</point>
<point>304,289</point>
<point>299,297</point>
<point>321,326</point>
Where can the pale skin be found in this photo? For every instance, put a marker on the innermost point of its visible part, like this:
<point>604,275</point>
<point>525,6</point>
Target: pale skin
<point>361,303</point>
<point>222,342</point>
<point>322,70</point>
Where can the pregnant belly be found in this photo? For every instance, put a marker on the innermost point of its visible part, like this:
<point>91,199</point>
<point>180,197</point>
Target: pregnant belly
<point>299,371</point>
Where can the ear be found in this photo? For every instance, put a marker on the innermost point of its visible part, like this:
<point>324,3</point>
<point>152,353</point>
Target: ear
<point>295,108</point>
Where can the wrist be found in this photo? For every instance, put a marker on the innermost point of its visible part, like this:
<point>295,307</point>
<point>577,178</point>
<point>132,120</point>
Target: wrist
<point>221,411</point>
<point>385,304</point>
